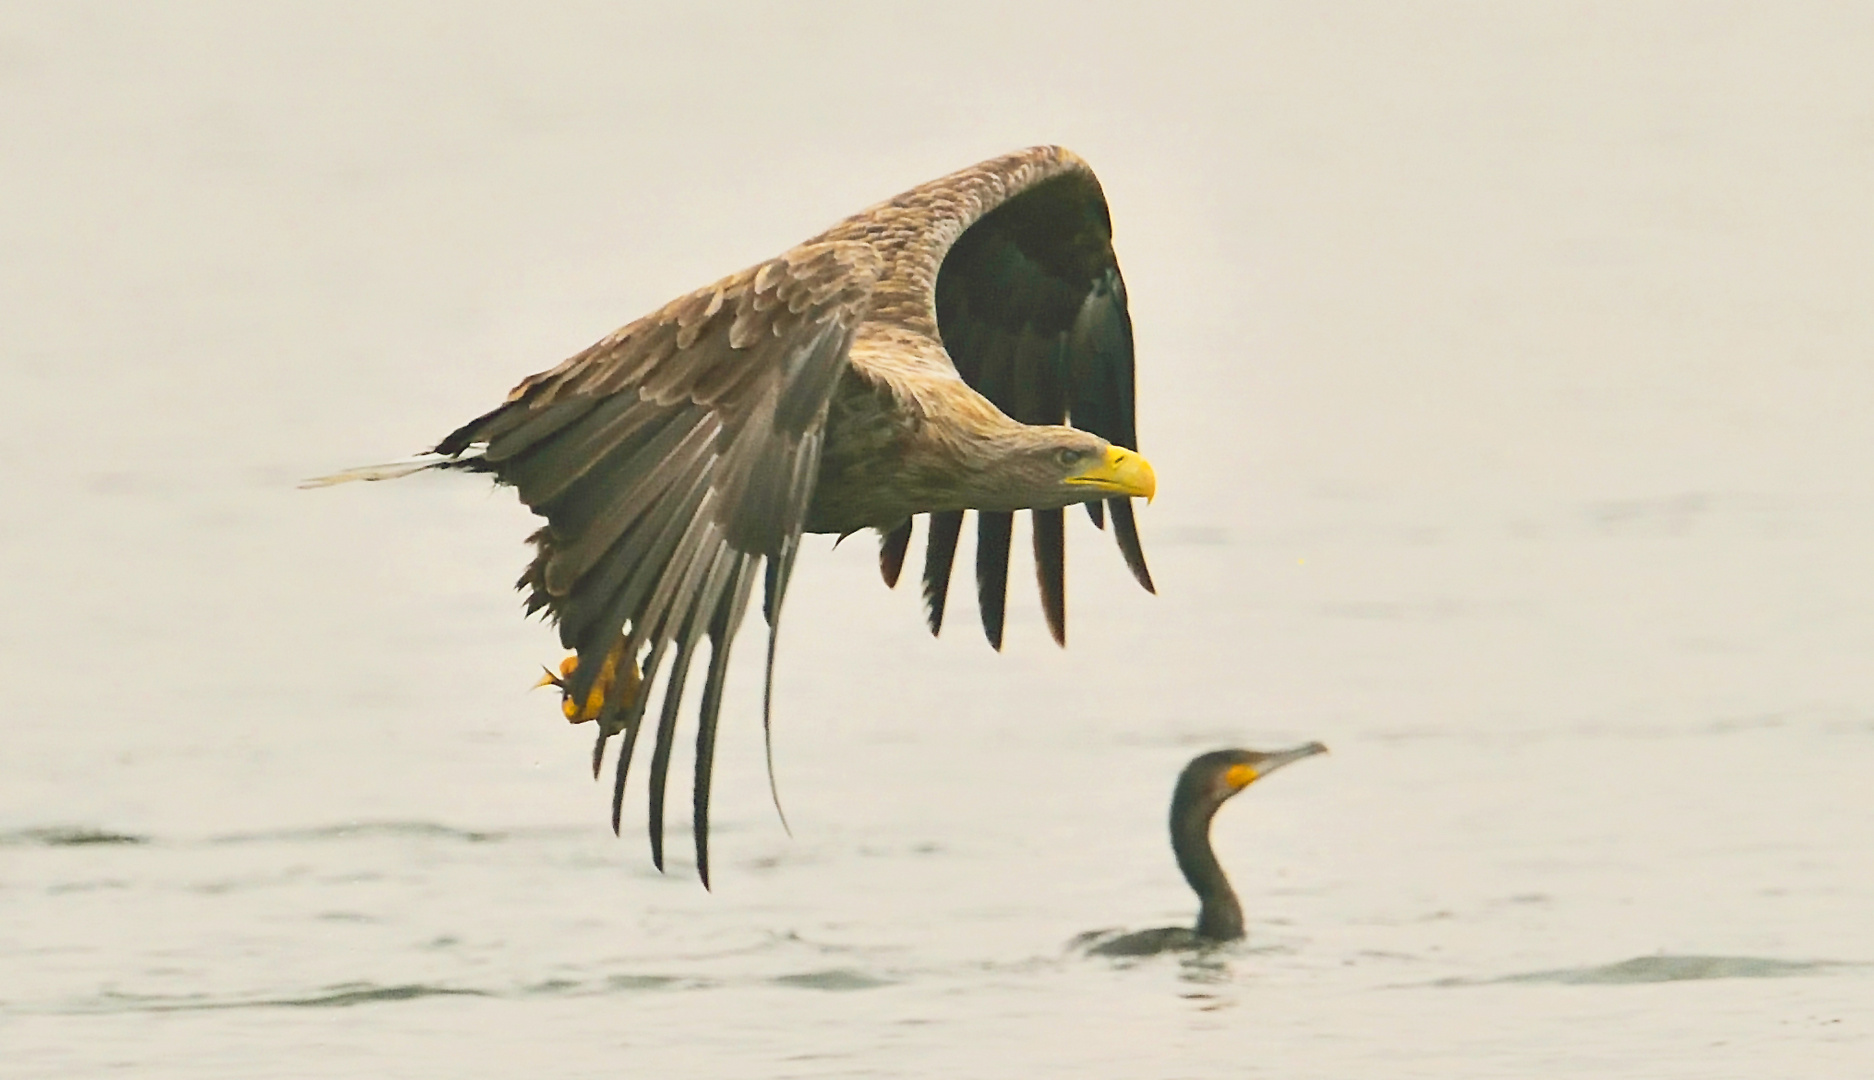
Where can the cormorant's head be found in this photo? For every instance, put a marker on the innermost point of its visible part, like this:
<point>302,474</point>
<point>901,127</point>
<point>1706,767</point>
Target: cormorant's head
<point>1212,778</point>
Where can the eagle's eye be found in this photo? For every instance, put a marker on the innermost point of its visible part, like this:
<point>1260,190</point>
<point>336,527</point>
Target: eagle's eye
<point>1068,456</point>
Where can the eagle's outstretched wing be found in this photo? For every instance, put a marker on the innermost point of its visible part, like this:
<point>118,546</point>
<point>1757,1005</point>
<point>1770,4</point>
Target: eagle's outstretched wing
<point>670,460</point>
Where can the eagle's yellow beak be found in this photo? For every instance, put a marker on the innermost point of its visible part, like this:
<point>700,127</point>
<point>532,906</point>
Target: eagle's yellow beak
<point>1120,472</point>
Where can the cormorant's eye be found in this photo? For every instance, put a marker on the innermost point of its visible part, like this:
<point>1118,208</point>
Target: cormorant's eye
<point>1067,456</point>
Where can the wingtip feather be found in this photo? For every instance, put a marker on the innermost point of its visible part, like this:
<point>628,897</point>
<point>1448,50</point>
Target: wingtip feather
<point>940,552</point>
<point>389,470</point>
<point>891,550</point>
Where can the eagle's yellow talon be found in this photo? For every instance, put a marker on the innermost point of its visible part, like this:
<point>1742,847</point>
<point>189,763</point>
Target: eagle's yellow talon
<point>595,698</point>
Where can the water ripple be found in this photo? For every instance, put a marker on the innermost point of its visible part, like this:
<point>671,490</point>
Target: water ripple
<point>340,995</point>
<point>68,836</point>
<point>363,830</point>
<point>1666,968</point>
<point>347,994</point>
<point>832,979</point>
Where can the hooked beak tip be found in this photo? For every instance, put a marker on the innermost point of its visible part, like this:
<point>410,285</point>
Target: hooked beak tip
<point>1123,473</point>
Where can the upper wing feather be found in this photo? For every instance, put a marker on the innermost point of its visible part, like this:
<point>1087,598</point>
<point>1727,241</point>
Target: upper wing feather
<point>1032,311</point>
<point>670,460</point>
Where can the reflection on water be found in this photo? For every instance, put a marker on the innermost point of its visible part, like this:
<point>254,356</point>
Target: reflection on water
<point>1506,369</point>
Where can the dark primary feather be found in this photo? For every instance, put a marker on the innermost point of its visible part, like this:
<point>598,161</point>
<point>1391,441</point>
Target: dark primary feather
<point>1051,569</point>
<point>993,531</point>
<point>891,549</point>
<point>1032,311</point>
<point>1099,360</point>
<point>939,552</point>
<point>670,460</point>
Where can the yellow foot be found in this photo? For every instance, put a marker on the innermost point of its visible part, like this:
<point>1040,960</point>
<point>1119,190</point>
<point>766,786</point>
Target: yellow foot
<point>607,684</point>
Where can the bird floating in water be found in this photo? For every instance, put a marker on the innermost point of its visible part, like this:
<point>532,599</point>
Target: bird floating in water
<point>924,356</point>
<point>1207,782</point>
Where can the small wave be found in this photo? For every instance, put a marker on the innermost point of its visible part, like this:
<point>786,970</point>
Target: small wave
<point>832,979</point>
<point>68,836</point>
<point>611,984</point>
<point>1666,968</point>
<point>365,993</point>
<point>339,996</point>
<point>345,995</point>
<point>647,982</point>
<point>364,830</point>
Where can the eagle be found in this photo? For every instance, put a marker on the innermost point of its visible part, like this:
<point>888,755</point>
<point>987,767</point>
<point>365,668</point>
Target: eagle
<point>924,356</point>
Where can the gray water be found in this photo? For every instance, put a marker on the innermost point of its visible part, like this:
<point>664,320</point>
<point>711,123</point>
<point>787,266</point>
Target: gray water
<point>1507,370</point>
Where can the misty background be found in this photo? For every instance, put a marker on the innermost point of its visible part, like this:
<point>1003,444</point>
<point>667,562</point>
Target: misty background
<point>1506,370</point>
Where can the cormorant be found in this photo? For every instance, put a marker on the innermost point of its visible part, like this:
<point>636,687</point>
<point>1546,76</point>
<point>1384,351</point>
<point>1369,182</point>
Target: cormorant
<point>924,356</point>
<point>1207,782</point>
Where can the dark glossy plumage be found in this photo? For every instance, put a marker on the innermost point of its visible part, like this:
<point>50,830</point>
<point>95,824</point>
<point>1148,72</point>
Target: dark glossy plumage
<point>1206,783</point>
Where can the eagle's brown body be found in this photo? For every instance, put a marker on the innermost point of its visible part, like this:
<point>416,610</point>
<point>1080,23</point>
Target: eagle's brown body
<point>921,357</point>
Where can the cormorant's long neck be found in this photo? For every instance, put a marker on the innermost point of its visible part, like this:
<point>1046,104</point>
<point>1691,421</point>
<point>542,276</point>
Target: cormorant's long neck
<point>1220,917</point>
